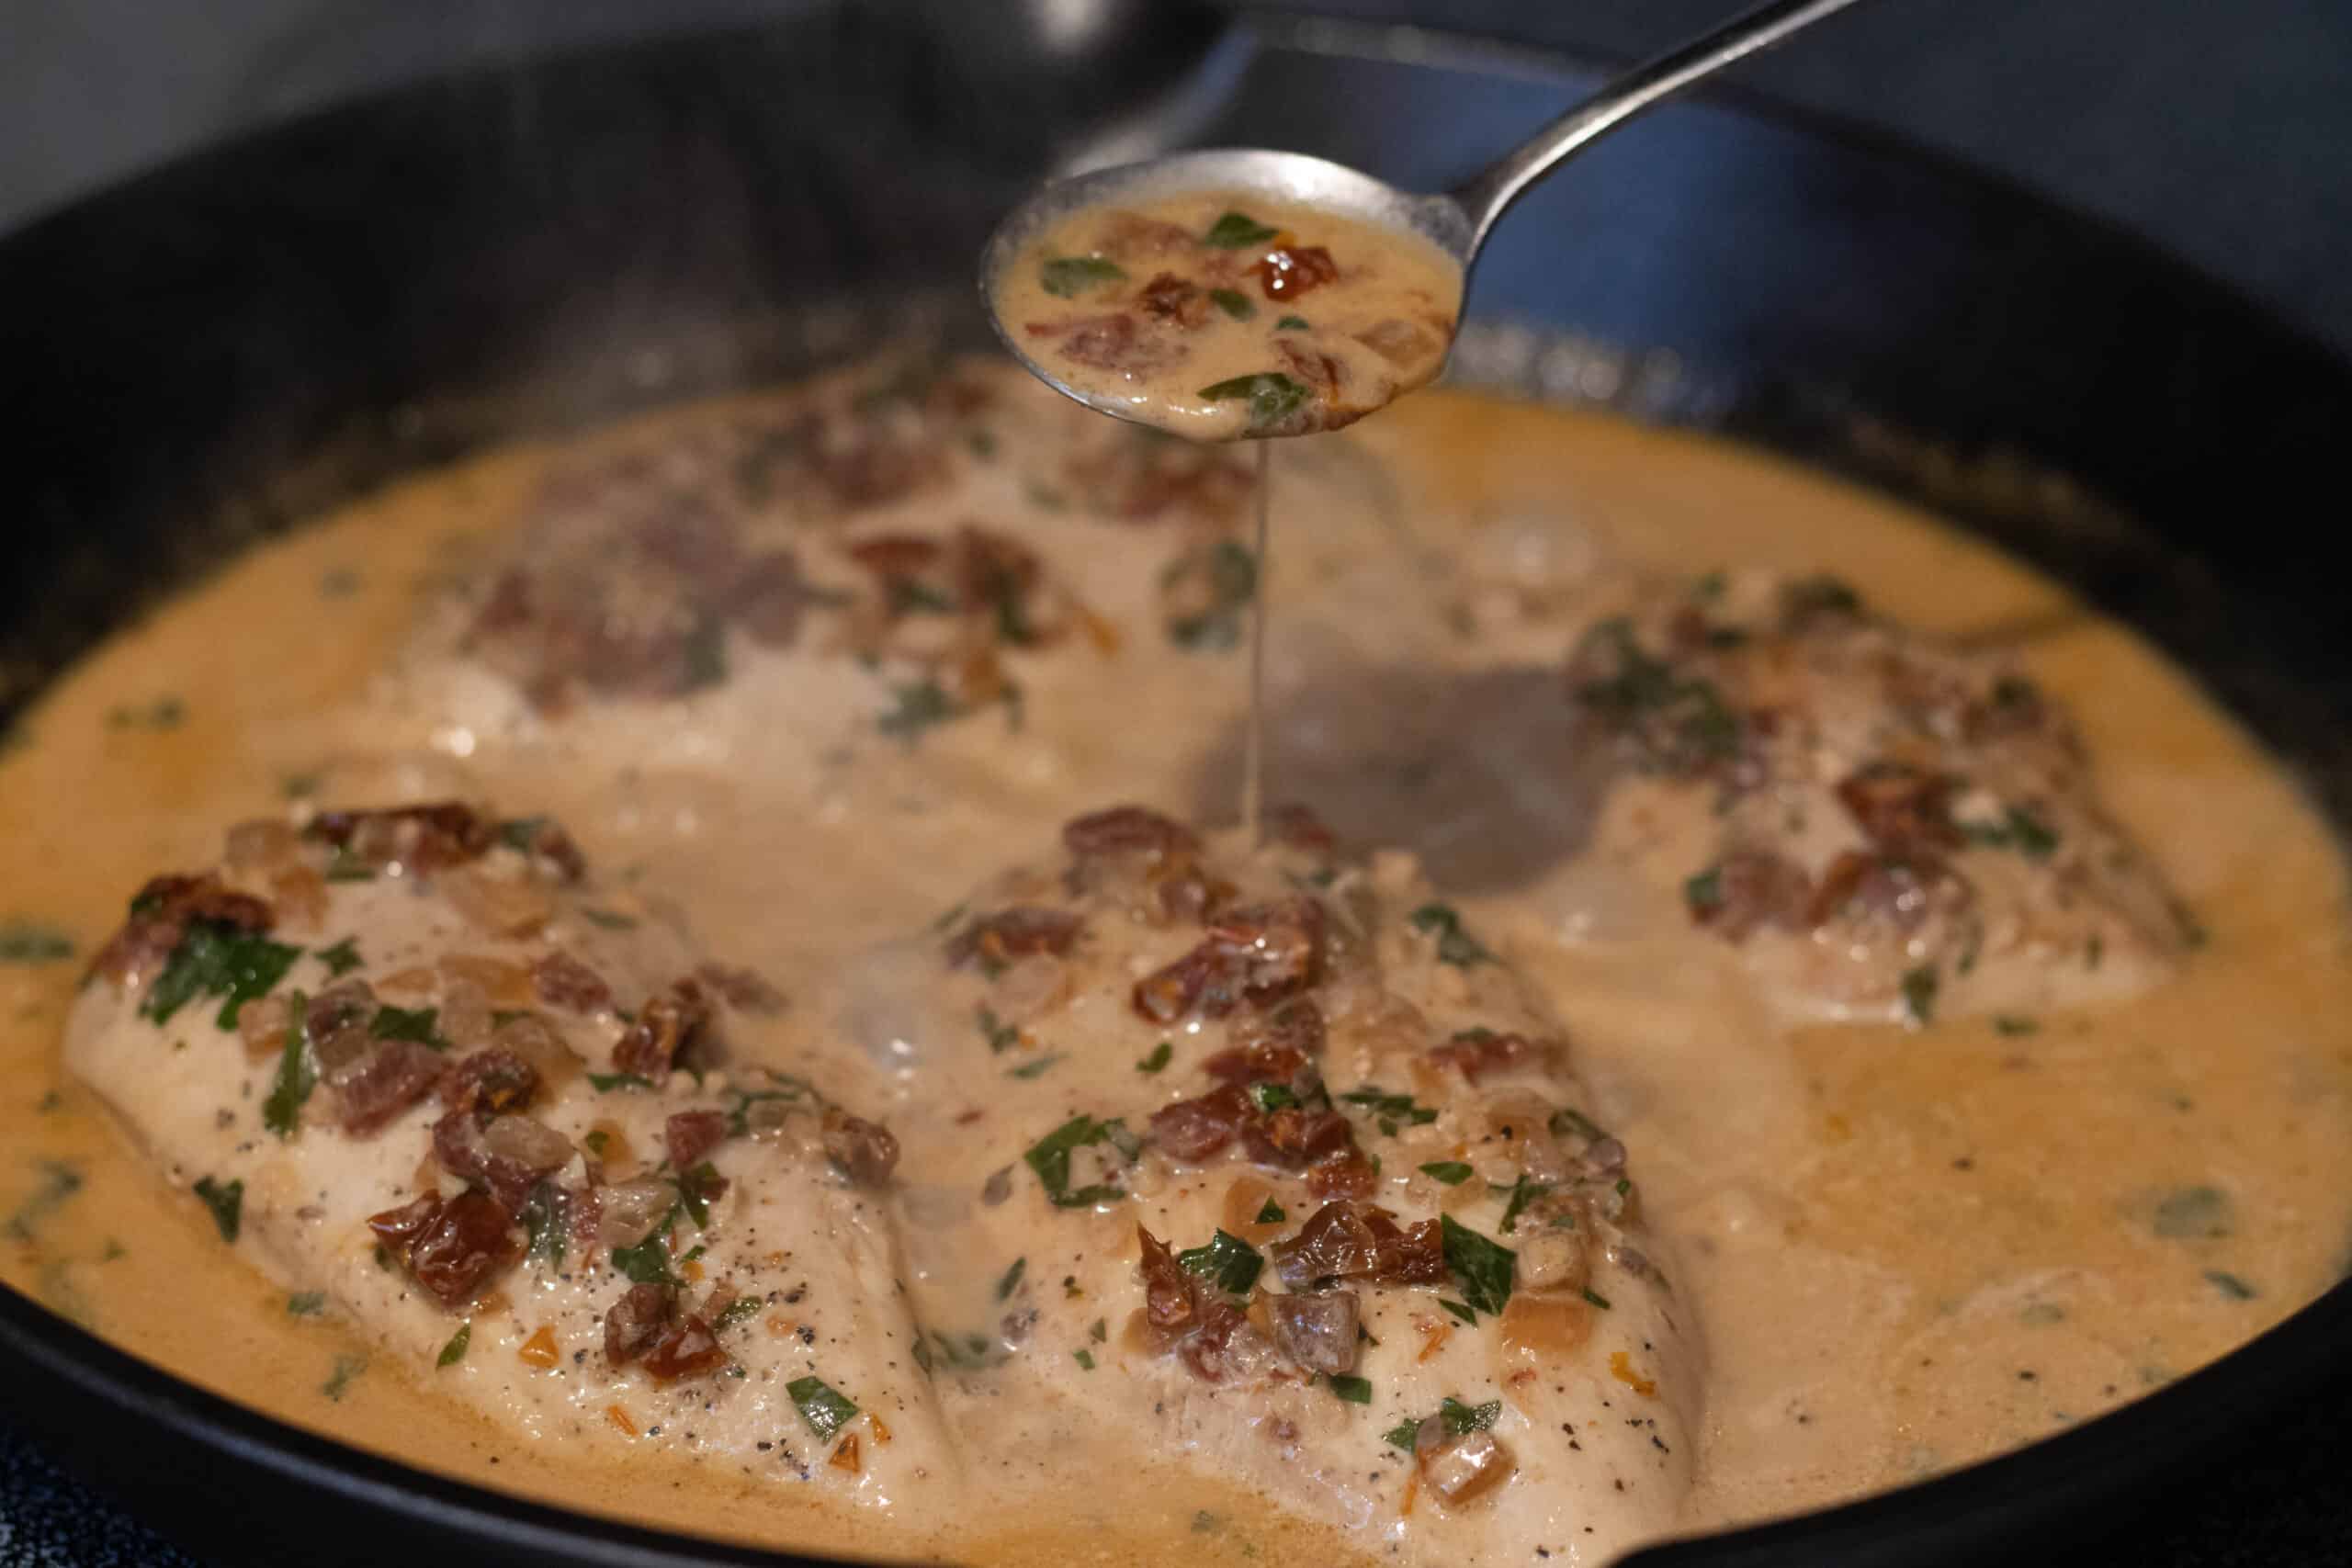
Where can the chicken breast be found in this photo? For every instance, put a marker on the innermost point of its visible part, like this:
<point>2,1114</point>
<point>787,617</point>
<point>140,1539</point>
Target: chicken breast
<point>1886,826</point>
<point>422,1066</point>
<point>1265,1161</point>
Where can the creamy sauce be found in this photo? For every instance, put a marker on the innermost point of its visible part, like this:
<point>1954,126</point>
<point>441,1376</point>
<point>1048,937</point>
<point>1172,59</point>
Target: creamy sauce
<point>1906,1248</point>
<point>1219,315</point>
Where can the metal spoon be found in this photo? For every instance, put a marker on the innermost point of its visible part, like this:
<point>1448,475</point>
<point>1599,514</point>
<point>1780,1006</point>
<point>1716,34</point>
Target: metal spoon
<point>1457,220</point>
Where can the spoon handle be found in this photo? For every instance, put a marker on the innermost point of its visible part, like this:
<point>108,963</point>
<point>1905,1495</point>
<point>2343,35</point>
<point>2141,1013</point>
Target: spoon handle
<point>1489,195</point>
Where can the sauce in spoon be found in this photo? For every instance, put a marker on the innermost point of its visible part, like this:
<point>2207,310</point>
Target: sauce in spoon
<point>1219,316</point>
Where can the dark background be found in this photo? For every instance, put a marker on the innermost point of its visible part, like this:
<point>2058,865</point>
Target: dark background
<point>2221,128</point>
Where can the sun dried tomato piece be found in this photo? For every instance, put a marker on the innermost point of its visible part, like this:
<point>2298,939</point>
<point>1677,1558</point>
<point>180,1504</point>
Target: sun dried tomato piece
<point>1196,1129</point>
<point>562,981</point>
<point>1289,271</point>
<point>741,987</point>
<point>1903,808</point>
<point>1294,1138</point>
<point>1748,889</point>
<point>1174,298</point>
<point>666,1031</point>
<point>1476,1051</point>
<point>159,919</point>
<point>691,1135</point>
<point>385,1081</point>
<point>1014,933</point>
<point>420,839</point>
<point>1129,830</point>
<point>1169,1303</point>
<point>489,1082</point>
<point>467,1244</point>
<point>636,1322</point>
<point>507,1167</point>
<point>865,1150</point>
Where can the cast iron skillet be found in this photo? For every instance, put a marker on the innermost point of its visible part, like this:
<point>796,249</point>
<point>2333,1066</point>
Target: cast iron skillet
<point>208,352</point>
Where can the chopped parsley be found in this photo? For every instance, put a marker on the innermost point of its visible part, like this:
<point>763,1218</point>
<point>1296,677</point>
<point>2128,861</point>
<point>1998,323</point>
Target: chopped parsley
<point>2014,1023</point>
<point>1452,1172</point>
<point>1920,987</point>
<point>2194,1213</point>
<point>227,1202</point>
<point>1232,572</point>
<point>2230,1285</point>
<point>1083,1357</point>
<point>1099,1330</point>
<point>23,941</point>
<point>1684,724</point>
<point>1233,303</point>
<point>306,1304</point>
<point>1597,1299</point>
<point>1234,229</point>
<point>1459,1309</point>
<point>342,958</point>
<point>417,1025</point>
<point>543,1220</point>
<point>1011,1280</point>
<point>647,1263</point>
<point>164,712</point>
<point>1036,1069</point>
<point>1355,1391</point>
<point>339,1379</point>
<point>1161,1054</point>
<point>1388,1110</point>
<point>1292,324</point>
<point>611,919</point>
<point>605,1083</point>
<point>921,707</point>
<point>1271,1214</point>
<point>1484,1269</point>
<point>1460,1417</point>
<point>344,867</point>
<point>1568,1119</point>
<point>1001,1035</point>
<point>1272,396</point>
<point>1051,1156</point>
<point>2018,829</point>
<point>1067,278</point>
<point>1454,945</point>
<point>742,1309</point>
<point>692,1187</point>
<point>215,959</point>
<point>791,1090</point>
<point>1227,1261</point>
<point>824,1407</point>
<point>1705,893</point>
<point>297,1077</point>
<point>455,1350</point>
<point>1523,1192</point>
<point>1271,1096</point>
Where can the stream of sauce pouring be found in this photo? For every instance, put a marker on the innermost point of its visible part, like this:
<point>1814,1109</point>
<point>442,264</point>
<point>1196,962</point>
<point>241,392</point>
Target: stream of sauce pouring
<point>1253,776</point>
<point>1907,1250</point>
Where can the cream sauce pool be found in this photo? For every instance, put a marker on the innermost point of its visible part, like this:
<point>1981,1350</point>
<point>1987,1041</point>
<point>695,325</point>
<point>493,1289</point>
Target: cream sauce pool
<point>1907,1249</point>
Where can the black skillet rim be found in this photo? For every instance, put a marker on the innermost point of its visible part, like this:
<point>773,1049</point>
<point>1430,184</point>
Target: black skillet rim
<point>74,1387</point>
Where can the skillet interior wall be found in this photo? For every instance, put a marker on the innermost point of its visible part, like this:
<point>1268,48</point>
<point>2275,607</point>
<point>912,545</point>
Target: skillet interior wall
<point>229,345</point>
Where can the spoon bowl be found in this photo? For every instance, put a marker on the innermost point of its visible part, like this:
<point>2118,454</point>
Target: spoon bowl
<point>1289,178</point>
<point>1455,222</point>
